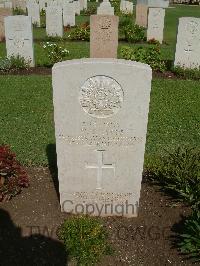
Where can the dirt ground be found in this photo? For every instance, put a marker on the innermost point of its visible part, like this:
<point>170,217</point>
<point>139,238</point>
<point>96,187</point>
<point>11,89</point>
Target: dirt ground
<point>29,222</point>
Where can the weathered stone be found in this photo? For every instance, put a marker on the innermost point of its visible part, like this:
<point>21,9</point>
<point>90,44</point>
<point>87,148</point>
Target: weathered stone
<point>188,43</point>
<point>103,36</point>
<point>156,22</point>
<point>19,37</point>
<point>101,112</point>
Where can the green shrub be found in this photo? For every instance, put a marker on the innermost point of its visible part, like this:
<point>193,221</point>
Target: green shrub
<point>147,55</point>
<point>190,239</point>
<point>55,52</point>
<point>19,11</point>
<point>91,10</point>
<point>14,62</point>
<point>80,33</point>
<point>179,174</point>
<point>85,239</point>
<point>134,33</point>
<point>187,73</point>
<point>116,5</point>
<point>12,176</point>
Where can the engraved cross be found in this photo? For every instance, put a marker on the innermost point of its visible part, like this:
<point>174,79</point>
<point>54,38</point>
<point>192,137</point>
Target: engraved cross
<point>100,166</point>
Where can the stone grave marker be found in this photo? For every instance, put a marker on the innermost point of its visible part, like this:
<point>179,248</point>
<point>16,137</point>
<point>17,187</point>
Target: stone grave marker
<point>103,36</point>
<point>34,12</point>
<point>4,12</point>
<point>156,23</point>
<point>188,43</point>
<point>77,7</point>
<point>105,8</point>
<point>54,21</point>
<point>141,15</point>
<point>19,37</point>
<point>158,3</point>
<point>101,113</point>
<point>8,4</point>
<point>69,14</point>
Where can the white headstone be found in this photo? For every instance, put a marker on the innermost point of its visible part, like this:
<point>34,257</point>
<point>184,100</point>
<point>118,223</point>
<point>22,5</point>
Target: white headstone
<point>19,37</point>
<point>158,3</point>
<point>126,7</point>
<point>8,4</point>
<point>69,14</point>
<point>188,43</point>
<point>77,7</point>
<point>54,21</point>
<point>101,113</point>
<point>85,4</point>
<point>156,22</point>
<point>105,8</point>
<point>34,12</point>
<point>81,4</point>
<point>42,4</point>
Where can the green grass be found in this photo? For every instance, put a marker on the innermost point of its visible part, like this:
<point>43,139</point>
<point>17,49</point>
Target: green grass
<point>27,125</point>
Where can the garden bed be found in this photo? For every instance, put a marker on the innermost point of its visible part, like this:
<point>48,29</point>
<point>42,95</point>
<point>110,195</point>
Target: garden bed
<point>146,240</point>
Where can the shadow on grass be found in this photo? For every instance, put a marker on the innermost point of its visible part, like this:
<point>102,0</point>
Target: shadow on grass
<point>52,163</point>
<point>35,249</point>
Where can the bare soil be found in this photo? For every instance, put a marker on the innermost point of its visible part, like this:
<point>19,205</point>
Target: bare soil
<point>29,222</point>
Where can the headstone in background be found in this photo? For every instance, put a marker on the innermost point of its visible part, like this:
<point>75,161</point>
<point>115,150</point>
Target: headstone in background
<point>4,12</point>
<point>126,7</point>
<point>20,4</point>
<point>141,15</point>
<point>69,14</point>
<point>42,4</point>
<point>105,8</point>
<point>19,37</point>
<point>77,7</point>
<point>100,150</point>
<point>188,43</point>
<point>34,12</point>
<point>85,4</point>
<point>156,22</point>
<point>81,2</point>
<point>103,36</point>
<point>54,21</point>
<point>8,4</point>
<point>158,3</point>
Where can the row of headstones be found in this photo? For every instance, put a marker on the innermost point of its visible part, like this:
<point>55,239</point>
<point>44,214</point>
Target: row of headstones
<point>6,4</point>
<point>67,10</point>
<point>188,42</point>
<point>104,38</point>
<point>152,19</point>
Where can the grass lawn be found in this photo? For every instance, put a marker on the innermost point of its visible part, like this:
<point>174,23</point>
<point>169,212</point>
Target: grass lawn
<point>27,116</point>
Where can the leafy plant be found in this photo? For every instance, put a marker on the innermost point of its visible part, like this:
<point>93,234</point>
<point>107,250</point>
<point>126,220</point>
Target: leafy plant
<point>187,73</point>
<point>55,52</point>
<point>147,55</point>
<point>81,33</point>
<point>134,33</point>
<point>14,62</point>
<point>85,239</point>
<point>91,10</point>
<point>153,41</point>
<point>19,11</point>
<point>12,176</point>
<point>190,240</point>
<point>179,173</point>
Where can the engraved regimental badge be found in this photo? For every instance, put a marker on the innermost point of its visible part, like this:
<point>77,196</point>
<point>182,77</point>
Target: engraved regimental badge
<point>101,96</point>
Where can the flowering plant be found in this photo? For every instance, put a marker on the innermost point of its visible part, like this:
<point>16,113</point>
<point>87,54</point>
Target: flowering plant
<point>55,52</point>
